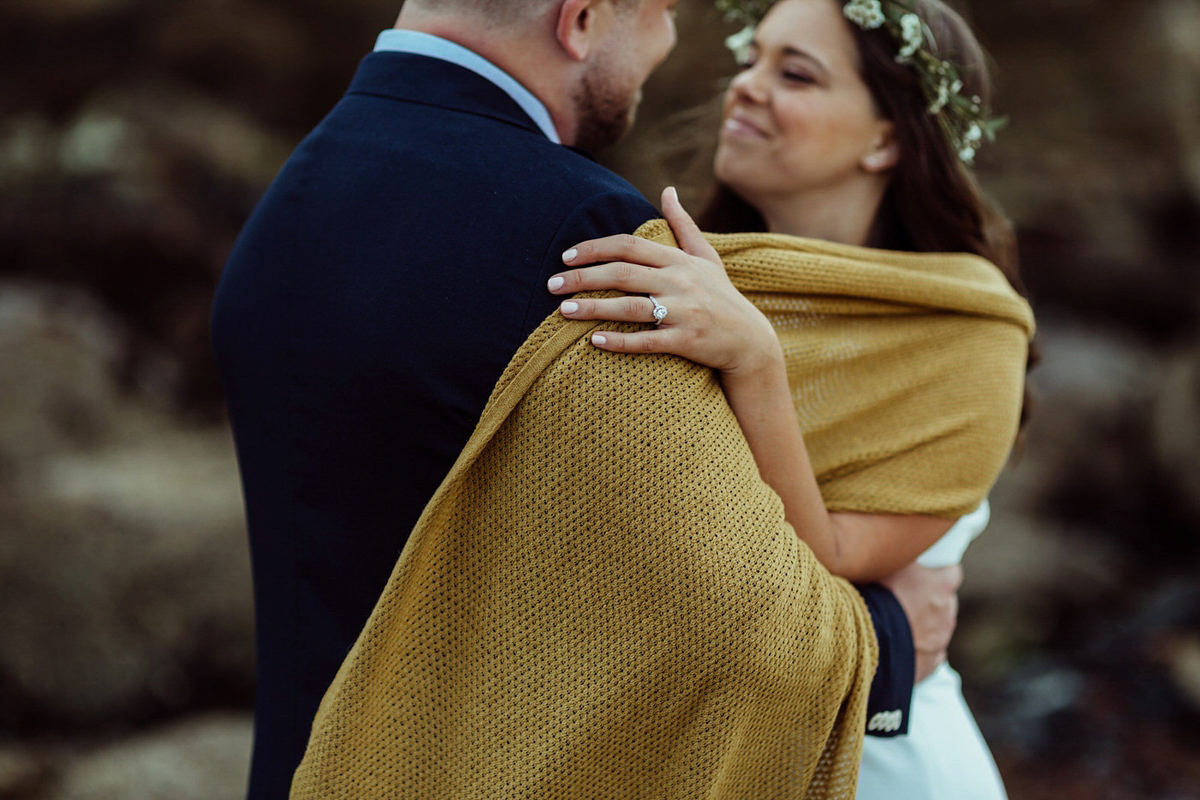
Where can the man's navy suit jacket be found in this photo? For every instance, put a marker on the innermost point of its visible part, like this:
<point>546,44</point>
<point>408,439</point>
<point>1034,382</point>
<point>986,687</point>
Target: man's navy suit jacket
<point>385,280</point>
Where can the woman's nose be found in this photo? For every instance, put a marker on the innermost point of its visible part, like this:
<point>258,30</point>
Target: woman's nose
<point>749,85</point>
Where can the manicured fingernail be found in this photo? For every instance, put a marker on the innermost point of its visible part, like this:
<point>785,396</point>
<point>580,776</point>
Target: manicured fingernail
<point>569,307</point>
<point>555,284</point>
<point>599,339</point>
<point>674,194</point>
<point>569,256</point>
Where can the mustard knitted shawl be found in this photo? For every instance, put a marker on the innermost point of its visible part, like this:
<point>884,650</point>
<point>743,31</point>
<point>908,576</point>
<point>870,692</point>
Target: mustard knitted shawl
<point>603,600</point>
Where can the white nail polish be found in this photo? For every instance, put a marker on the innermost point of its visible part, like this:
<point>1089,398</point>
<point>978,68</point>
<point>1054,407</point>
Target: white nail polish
<point>570,255</point>
<point>555,284</point>
<point>598,339</point>
<point>569,307</point>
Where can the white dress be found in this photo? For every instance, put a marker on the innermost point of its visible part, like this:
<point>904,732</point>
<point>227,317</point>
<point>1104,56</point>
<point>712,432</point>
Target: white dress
<point>943,757</point>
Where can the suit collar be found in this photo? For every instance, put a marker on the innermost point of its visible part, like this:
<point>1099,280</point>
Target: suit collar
<point>426,44</point>
<point>434,82</point>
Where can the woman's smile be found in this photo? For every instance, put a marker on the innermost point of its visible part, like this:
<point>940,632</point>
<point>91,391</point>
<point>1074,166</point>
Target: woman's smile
<point>739,126</point>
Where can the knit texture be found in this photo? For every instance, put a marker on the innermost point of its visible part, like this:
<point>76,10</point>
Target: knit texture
<point>603,600</point>
<point>907,370</point>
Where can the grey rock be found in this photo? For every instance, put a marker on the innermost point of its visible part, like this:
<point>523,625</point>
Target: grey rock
<point>1183,660</point>
<point>1091,393</point>
<point>198,759</point>
<point>1180,23</point>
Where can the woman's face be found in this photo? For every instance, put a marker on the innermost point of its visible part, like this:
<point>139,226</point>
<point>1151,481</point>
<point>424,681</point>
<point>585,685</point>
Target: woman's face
<point>799,118</point>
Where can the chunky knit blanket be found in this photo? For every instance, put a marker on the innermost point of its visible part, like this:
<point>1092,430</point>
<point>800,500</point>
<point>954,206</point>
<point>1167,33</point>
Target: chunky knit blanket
<point>603,600</point>
<point>907,369</point>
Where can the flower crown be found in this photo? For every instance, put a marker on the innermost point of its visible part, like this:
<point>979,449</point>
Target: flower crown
<point>965,121</point>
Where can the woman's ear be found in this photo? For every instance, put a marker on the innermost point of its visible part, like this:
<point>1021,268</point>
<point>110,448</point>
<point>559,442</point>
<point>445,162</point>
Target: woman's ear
<point>885,154</point>
<point>575,27</point>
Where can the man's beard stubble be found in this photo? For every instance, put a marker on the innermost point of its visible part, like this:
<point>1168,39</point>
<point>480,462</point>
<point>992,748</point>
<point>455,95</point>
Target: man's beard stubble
<point>605,113</point>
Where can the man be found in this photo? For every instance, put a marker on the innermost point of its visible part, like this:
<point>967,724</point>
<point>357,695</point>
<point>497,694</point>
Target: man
<point>383,284</point>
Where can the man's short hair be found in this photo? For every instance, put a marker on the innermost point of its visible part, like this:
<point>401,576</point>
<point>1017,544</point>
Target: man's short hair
<point>502,12</point>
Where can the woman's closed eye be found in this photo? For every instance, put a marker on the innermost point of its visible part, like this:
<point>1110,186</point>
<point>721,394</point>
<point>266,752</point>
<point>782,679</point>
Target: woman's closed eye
<point>799,77</point>
<point>789,75</point>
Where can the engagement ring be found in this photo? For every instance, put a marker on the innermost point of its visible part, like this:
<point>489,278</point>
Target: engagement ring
<point>660,311</point>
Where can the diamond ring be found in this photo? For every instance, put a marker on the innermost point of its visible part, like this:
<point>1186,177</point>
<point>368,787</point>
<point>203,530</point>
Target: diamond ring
<point>660,311</point>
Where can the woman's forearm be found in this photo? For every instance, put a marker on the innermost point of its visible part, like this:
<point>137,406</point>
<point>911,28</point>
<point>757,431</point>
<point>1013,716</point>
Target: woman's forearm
<point>860,547</point>
<point>762,402</point>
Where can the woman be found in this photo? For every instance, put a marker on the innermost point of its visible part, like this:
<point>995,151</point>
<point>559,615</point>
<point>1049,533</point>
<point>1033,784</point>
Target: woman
<point>850,124</point>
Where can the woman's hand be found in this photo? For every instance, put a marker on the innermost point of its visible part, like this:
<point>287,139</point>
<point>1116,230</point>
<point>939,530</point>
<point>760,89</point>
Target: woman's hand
<point>708,320</point>
<point>929,596</point>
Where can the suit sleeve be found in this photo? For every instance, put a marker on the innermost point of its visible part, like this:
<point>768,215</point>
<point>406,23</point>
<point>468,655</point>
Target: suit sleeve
<point>891,690</point>
<point>599,215</point>
<point>890,700</point>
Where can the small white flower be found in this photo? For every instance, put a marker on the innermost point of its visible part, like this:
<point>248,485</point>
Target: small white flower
<point>943,97</point>
<point>967,154</point>
<point>974,134</point>
<point>913,36</point>
<point>866,14</point>
<point>739,43</point>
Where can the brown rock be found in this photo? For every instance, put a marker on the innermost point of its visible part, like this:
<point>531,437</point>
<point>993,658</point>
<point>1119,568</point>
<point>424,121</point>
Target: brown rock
<point>23,773</point>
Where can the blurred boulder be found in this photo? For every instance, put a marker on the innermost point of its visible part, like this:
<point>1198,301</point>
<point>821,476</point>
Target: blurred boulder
<point>1096,167</point>
<point>1079,622</point>
<point>1182,655</point>
<point>1075,513</point>
<point>1085,454</point>
<point>137,199</point>
<point>124,572</point>
<point>1092,462</point>
<point>206,758</point>
<point>1176,429</point>
<point>58,356</point>
<point>23,773</point>
<point>67,10</point>
<point>1180,22</point>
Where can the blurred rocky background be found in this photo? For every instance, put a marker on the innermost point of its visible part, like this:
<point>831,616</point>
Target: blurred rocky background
<point>135,137</point>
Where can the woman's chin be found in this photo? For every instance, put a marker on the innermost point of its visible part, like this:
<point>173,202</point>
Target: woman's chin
<point>726,167</point>
<point>734,175</point>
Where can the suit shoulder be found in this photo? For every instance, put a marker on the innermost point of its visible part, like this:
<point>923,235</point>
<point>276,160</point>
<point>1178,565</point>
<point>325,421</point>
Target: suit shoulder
<point>570,171</point>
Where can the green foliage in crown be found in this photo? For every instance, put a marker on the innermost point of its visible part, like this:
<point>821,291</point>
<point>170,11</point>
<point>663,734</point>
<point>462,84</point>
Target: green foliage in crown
<point>966,122</point>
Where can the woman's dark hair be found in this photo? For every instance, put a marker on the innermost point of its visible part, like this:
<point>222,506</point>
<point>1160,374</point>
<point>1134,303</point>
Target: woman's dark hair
<point>933,203</point>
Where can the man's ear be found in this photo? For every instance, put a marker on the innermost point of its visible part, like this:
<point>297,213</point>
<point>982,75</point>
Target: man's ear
<point>886,153</point>
<point>576,27</point>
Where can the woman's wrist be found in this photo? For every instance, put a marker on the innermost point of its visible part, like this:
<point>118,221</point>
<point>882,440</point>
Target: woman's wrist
<point>761,359</point>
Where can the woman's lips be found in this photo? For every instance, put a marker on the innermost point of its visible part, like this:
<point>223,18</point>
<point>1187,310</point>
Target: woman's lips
<point>741,128</point>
